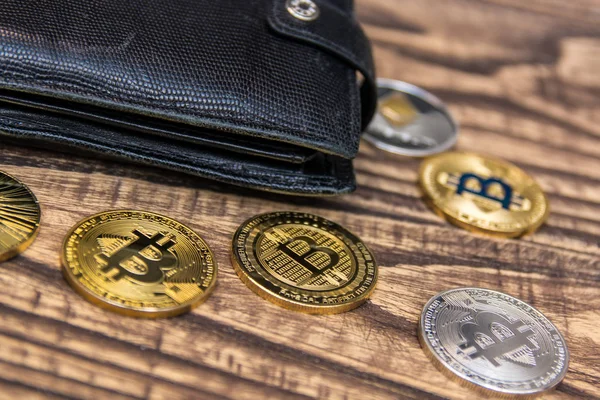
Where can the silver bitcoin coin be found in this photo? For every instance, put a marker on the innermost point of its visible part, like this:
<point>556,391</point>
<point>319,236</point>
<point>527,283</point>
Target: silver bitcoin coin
<point>493,341</point>
<point>410,121</point>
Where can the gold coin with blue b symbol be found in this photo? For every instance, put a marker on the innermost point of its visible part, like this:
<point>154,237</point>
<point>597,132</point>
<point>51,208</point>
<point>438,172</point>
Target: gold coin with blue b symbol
<point>303,262</point>
<point>483,194</point>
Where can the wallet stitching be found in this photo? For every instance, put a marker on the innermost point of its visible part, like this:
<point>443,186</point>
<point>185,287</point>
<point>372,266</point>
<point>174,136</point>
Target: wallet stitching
<point>355,101</point>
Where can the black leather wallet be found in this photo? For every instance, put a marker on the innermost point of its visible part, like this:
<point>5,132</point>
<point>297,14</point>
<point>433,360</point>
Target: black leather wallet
<point>248,92</point>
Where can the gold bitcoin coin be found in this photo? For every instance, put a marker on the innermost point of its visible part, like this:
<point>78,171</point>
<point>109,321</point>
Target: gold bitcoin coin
<point>483,194</point>
<point>19,217</point>
<point>303,262</point>
<point>138,263</point>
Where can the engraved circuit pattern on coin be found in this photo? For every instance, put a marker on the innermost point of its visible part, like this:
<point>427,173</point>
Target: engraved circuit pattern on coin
<point>19,217</point>
<point>493,341</point>
<point>138,263</point>
<point>303,262</point>
<point>483,194</point>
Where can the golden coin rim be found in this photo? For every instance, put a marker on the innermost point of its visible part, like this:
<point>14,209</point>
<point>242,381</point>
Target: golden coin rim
<point>443,213</point>
<point>458,378</point>
<point>117,307</point>
<point>294,305</point>
<point>23,245</point>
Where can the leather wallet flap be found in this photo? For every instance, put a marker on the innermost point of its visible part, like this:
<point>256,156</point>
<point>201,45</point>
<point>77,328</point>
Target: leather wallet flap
<point>214,66</point>
<point>235,90</point>
<point>336,30</point>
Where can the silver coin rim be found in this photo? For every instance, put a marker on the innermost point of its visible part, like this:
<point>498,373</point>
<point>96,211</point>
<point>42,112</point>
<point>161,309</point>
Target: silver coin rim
<point>469,381</point>
<point>424,95</point>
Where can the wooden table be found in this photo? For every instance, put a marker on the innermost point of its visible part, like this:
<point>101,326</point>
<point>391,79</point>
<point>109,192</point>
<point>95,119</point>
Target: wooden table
<point>523,80</point>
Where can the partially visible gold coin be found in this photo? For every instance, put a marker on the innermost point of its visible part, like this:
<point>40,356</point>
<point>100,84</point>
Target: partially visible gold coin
<point>19,217</point>
<point>138,263</point>
<point>303,262</point>
<point>483,194</point>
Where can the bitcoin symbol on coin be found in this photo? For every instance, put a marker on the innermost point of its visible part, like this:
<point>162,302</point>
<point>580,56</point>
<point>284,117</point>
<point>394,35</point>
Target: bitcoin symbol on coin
<point>493,189</point>
<point>313,253</point>
<point>484,186</point>
<point>305,257</point>
<point>494,337</point>
<point>143,260</point>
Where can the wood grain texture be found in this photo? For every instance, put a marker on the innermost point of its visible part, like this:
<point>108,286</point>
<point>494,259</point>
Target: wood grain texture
<point>520,77</point>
